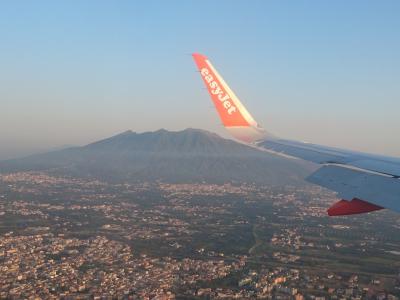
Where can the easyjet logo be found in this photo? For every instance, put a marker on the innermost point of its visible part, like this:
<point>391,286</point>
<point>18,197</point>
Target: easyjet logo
<point>216,90</point>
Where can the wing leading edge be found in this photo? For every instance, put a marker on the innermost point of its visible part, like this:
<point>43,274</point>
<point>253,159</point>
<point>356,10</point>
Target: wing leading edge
<point>365,182</point>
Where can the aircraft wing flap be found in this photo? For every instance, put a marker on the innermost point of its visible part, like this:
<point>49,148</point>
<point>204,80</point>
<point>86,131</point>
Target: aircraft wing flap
<point>350,183</point>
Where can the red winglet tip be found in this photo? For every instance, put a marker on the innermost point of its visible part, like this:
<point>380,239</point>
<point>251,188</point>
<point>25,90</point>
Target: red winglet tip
<point>337,208</point>
<point>355,206</point>
<point>199,56</point>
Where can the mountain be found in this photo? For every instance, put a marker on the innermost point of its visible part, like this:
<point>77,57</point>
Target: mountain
<point>190,155</point>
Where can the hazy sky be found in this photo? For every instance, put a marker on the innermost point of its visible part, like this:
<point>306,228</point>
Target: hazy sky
<point>72,72</point>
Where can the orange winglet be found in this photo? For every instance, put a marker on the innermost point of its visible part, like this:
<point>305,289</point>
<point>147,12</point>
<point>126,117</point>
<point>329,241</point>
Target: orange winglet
<point>228,111</point>
<point>355,206</point>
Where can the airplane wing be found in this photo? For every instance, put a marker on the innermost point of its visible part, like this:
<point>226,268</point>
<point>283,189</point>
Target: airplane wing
<point>364,182</point>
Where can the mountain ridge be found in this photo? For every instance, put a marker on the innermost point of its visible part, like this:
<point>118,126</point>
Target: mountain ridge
<point>190,155</point>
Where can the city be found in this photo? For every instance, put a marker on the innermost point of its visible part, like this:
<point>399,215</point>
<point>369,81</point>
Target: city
<point>188,150</point>
<point>69,237</point>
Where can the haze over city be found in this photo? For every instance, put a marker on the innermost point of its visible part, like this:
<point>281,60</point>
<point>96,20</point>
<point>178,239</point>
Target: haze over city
<point>74,72</point>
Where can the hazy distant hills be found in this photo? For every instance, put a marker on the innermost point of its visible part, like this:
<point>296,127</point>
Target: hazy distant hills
<point>190,155</point>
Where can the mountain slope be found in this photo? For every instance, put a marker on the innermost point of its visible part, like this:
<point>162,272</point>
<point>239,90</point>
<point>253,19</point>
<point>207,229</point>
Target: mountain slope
<point>185,156</point>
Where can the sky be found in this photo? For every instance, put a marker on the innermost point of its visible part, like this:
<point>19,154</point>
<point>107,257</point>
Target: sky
<point>73,72</point>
